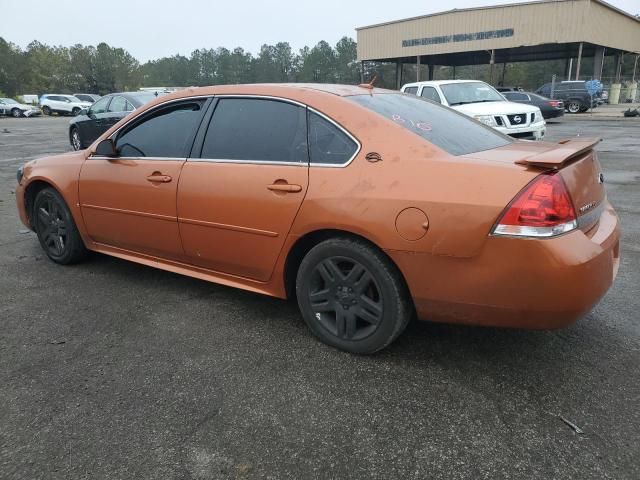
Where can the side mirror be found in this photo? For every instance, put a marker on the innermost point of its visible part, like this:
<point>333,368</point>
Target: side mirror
<point>84,111</point>
<point>106,148</point>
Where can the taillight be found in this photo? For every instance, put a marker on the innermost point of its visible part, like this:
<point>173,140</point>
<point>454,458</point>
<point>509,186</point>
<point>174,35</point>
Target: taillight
<point>542,209</point>
<point>555,103</point>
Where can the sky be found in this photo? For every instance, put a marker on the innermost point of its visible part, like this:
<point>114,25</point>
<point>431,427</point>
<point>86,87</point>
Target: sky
<point>151,29</point>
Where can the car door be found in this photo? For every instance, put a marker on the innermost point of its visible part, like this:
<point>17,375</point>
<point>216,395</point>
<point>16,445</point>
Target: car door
<point>129,202</point>
<point>239,194</point>
<point>88,124</point>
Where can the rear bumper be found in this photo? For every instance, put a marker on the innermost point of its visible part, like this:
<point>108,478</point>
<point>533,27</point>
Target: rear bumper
<point>514,282</point>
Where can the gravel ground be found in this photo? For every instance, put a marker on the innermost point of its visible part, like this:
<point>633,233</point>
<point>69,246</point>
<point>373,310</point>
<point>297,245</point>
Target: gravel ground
<point>118,371</point>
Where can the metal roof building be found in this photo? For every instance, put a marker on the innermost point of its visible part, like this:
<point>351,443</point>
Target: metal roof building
<point>538,30</point>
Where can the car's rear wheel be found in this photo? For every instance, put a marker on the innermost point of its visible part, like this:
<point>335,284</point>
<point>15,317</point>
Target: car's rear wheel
<point>75,111</point>
<point>351,296</point>
<point>76,141</point>
<point>574,106</point>
<point>16,112</point>
<point>56,230</point>
<point>46,110</point>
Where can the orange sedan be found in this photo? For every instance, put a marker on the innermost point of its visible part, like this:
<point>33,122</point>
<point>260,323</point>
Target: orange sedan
<point>369,206</point>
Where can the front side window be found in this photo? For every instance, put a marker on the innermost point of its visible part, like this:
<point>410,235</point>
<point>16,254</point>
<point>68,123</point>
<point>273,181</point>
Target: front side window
<point>257,130</point>
<point>453,132</point>
<point>166,132</point>
<point>430,93</point>
<point>100,106</point>
<point>327,143</point>
<point>118,104</point>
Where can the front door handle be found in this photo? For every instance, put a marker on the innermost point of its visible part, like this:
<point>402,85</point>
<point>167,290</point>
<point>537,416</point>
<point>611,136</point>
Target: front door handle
<point>157,177</point>
<point>285,187</point>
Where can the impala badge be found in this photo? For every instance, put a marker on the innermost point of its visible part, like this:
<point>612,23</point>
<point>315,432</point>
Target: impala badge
<point>586,207</point>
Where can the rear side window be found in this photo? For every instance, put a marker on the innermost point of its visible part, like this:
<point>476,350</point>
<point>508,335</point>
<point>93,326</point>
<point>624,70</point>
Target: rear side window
<point>328,144</point>
<point>257,130</point>
<point>453,132</point>
<point>411,90</point>
<point>166,132</point>
<point>430,93</point>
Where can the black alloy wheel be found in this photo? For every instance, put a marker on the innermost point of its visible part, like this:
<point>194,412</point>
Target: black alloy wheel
<point>75,111</point>
<point>345,298</point>
<point>351,296</point>
<point>46,110</point>
<point>56,230</point>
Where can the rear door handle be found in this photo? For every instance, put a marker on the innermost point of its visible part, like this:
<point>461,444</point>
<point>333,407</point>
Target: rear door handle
<point>159,178</point>
<point>284,187</point>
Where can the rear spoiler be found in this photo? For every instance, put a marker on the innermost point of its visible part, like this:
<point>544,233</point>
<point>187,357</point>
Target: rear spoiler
<point>567,150</point>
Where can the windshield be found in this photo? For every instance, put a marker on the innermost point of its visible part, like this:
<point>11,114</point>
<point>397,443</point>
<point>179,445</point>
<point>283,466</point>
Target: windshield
<point>142,97</point>
<point>453,132</point>
<point>71,98</point>
<point>8,100</point>
<point>470,92</point>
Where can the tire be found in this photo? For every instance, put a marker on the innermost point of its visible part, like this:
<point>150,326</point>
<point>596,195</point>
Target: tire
<point>75,111</point>
<point>56,230</point>
<point>76,141</point>
<point>15,113</point>
<point>574,106</point>
<point>351,296</point>
<point>46,110</point>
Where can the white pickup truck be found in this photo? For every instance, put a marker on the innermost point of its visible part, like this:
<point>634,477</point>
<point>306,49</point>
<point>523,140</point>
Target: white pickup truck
<point>481,101</point>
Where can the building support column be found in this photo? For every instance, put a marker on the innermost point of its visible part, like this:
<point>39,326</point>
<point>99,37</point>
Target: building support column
<point>418,68</point>
<point>618,67</point>
<point>454,72</point>
<point>398,74</point>
<point>568,68</point>
<point>362,71</point>
<point>431,67</point>
<point>504,71</point>
<point>598,63</point>
<point>579,61</point>
<point>492,62</point>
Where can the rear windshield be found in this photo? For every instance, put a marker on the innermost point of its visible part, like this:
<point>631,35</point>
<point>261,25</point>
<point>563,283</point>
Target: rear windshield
<point>453,132</point>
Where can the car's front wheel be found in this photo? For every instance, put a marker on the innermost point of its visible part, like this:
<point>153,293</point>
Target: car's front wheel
<point>574,106</point>
<point>16,112</point>
<point>75,111</point>
<point>351,296</point>
<point>56,230</point>
<point>46,110</point>
<point>76,141</point>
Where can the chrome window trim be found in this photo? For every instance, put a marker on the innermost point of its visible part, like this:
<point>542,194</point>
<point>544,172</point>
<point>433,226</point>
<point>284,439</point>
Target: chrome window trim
<point>102,157</point>
<point>254,162</point>
<point>248,162</point>
<point>271,162</point>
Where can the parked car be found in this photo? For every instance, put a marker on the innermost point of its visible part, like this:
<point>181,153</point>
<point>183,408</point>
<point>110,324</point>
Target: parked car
<point>574,94</point>
<point>549,108</point>
<point>62,104</point>
<point>87,97</point>
<point>481,101</point>
<point>366,205</point>
<point>8,106</point>
<point>90,123</point>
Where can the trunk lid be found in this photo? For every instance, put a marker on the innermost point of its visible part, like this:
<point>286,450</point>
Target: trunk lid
<point>577,163</point>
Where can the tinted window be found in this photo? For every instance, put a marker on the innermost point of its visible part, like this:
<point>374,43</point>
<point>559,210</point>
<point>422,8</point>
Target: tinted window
<point>452,131</point>
<point>258,130</point>
<point>328,143</point>
<point>118,104</point>
<point>129,107</point>
<point>430,93</point>
<point>165,132</point>
<point>100,106</point>
<point>411,90</point>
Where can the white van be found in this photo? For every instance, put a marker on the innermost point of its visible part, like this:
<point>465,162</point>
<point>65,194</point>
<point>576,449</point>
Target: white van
<point>484,103</point>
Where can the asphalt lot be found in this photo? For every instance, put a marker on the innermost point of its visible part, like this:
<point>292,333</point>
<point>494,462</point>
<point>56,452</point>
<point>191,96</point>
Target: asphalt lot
<point>114,370</point>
